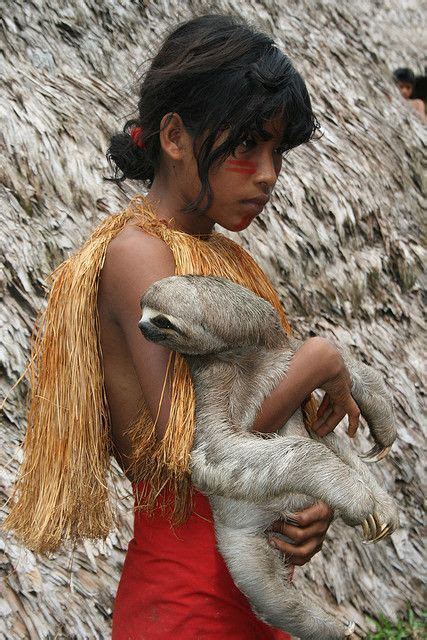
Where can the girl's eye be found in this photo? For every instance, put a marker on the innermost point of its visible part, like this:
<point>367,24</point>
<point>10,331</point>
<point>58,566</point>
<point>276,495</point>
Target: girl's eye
<point>247,144</point>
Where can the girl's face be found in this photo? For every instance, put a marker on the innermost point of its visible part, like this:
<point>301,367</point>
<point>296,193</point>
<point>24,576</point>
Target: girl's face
<point>242,184</point>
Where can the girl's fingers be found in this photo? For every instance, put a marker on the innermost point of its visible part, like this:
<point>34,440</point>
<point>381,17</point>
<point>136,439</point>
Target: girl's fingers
<point>300,553</point>
<point>323,406</point>
<point>353,419</point>
<point>317,424</point>
<point>300,535</point>
<point>329,416</point>
<point>292,559</point>
<point>331,422</point>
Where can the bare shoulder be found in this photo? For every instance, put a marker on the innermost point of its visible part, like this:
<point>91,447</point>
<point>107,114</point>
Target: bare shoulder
<point>135,244</point>
<point>134,260</point>
<point>419,106</point>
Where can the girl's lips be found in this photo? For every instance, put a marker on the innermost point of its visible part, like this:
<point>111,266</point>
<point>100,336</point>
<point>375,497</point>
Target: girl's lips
<point>253,205</point>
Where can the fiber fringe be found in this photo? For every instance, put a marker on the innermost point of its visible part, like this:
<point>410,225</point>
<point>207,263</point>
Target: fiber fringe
<point>61,491</point>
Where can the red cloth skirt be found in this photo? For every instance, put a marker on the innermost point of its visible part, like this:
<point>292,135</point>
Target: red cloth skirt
<point>176,585</point>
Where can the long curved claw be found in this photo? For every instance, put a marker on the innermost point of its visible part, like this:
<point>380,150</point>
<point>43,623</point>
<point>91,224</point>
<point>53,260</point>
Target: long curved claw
<point>374,530</point>
<point>366,531</point>
<point>370,528</point>
<point>373,527</point>
<point>385,531</point>
<point>375,454</point>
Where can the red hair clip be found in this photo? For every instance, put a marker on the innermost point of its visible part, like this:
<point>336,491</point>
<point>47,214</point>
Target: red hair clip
<point>136,135</point>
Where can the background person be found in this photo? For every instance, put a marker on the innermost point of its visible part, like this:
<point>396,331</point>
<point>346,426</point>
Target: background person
<point>412,88</point>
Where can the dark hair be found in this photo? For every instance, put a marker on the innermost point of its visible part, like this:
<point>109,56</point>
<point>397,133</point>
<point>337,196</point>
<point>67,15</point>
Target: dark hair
<point>403,74</point>
<point>420,88</point>
<point>215,71</point>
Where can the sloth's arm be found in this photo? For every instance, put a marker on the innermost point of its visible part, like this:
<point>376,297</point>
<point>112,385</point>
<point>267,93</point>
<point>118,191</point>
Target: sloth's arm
<point>374,399</point>
<point>246,467</point>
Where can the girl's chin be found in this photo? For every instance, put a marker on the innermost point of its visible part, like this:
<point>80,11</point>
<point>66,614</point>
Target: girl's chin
<point>238,225</point>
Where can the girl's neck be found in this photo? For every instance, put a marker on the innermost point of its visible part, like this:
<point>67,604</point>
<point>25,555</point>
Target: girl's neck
<point>167,206</point>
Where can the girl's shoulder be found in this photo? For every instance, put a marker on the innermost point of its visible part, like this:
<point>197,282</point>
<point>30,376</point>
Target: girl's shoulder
<point>135,242</point>
<point>136,254</point>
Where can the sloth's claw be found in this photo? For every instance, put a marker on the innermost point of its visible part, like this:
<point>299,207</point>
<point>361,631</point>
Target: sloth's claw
<point>369,527</point>
<point>373,525</point>
<point>385,532</point>
<point>375,454</point>
<point>365,528</point>
<point>374,530</point>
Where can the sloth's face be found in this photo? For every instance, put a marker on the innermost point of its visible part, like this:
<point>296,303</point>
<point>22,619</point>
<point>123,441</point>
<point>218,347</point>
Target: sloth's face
<point>173,315</point>
<point>198,315</point>
<point>177,334</point>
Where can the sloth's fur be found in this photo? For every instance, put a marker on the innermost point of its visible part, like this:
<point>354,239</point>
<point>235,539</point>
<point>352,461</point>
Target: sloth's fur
<point>237,353</point>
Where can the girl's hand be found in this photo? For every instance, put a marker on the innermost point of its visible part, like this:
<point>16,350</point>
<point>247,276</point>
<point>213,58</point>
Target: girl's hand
<point>307,530</point>
<point>337,403</point>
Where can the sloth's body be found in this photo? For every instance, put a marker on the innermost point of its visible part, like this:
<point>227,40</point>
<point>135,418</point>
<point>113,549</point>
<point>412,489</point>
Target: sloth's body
<point>237,353</point>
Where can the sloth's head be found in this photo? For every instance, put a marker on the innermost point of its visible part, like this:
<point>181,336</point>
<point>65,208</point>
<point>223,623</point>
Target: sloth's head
<point>197,315</point>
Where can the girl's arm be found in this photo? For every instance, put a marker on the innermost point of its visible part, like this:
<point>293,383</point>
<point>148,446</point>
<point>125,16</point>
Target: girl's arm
<point>316,365</point>
<point>133,262</point>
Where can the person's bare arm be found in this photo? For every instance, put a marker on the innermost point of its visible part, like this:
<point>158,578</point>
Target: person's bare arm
<point>316,365</point>
<point>420,108</point>
<point>133,262</point>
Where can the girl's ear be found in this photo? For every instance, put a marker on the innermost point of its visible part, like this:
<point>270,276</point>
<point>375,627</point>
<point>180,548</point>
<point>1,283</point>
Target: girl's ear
<point>174,138</point>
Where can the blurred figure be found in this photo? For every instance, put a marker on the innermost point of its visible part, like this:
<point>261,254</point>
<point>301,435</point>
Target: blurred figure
<point>405,79</point>
<point>412,88</point>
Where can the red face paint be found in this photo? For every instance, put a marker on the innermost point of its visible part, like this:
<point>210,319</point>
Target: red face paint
<point>245,222</point>
<point>241,166</point>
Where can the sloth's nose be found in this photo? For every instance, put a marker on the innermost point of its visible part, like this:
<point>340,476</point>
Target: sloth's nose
<point>144,326</point>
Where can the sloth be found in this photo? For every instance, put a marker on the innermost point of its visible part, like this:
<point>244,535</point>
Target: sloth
<point>237,353</point>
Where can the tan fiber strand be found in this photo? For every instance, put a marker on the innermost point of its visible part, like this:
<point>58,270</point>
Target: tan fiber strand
<point>163,389</point>
<point>61,492</point>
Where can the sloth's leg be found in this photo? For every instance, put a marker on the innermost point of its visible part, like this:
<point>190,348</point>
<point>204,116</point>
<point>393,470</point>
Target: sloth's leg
<point>261,574</point>
<point>386,507</point>
<point>243,466</point>
<point>376,405</point>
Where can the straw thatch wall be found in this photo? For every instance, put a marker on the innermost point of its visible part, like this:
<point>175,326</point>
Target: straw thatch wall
<point>341,240</point>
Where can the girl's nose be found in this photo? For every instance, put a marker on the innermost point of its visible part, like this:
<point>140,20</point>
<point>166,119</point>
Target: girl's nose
<point>267,172</point>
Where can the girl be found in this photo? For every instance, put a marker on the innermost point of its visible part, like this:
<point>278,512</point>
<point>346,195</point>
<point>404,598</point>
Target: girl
<point>218,108</point>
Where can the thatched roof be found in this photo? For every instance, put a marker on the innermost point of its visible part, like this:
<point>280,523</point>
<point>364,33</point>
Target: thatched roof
<point>341,241</point>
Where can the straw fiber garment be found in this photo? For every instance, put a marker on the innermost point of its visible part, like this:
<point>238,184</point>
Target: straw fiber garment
<point>341,241</point>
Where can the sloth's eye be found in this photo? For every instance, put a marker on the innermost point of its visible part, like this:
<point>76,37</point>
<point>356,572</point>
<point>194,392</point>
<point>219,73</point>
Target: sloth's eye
<point>162,323</point>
